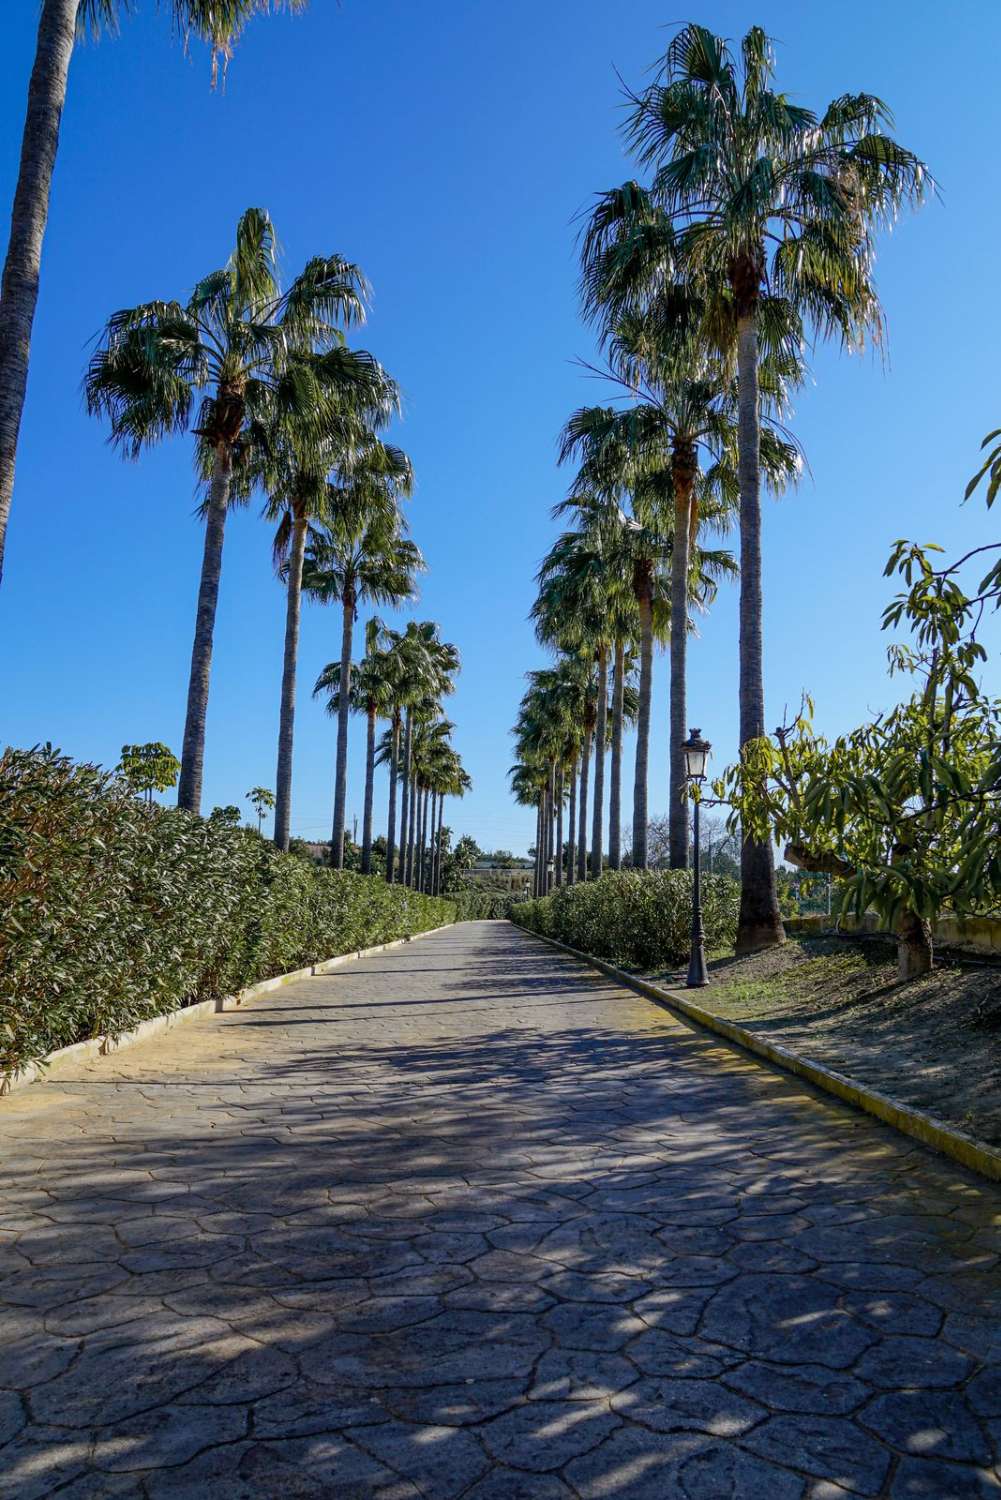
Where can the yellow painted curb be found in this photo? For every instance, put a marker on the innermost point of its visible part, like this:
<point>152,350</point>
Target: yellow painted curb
<point>101,1046</point>
<point>930,1131</point>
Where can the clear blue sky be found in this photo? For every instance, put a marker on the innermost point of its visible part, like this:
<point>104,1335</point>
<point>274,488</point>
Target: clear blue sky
<point>447,149</point>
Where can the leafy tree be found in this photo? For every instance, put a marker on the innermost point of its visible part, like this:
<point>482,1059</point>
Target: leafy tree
<point>905,810</point>
<point>229,815</point>
<point>268,361</point>
<point>770,210</point>
<point>262,800</point>
<point>149,768</point>
<point>60,24</point>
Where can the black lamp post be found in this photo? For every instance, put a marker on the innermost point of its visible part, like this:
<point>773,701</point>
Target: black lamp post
<point>696,758</point>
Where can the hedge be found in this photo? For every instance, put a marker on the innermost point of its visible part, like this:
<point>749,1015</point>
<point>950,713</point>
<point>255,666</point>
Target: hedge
<point>113,911</point>
<point>637,919</point>
<point>472,905</point>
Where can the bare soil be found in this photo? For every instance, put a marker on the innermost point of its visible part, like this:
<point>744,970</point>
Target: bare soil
<point>933,1043</point>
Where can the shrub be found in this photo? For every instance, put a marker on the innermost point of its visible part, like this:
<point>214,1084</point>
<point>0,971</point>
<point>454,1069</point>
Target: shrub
<point>474,905</point>
<point>639,919</point>
<point>113,911</point>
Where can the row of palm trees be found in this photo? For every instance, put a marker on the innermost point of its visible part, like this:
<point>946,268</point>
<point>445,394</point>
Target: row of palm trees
<point>754,233</point>
<point>282,406</point>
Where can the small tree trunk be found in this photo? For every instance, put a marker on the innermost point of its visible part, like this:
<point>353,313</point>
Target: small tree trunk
<point>432,826</point>
<point>408,738</point>
<point>286,717</point>
<point>640,814</point>
<point>759,924</point>
<point>585,766</point>
<point>683,472</point>
<point>600,736</point>
<point>915,953</point>
<point>366,837</point>
<point>394,756</point>
<point>559,826</point>
<point>539,852</point>
<point>615,790</point>
<point>343,715</point>
<point>22,267</point>
<point>189,785</point>
<point>572,825</point>
<point>437,856</point>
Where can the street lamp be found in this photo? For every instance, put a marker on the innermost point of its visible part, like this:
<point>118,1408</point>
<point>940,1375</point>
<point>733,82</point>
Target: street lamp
<point>696,758</point>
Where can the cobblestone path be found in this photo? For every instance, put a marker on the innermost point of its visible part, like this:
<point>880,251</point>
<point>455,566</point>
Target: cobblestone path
<point>465,1219</point>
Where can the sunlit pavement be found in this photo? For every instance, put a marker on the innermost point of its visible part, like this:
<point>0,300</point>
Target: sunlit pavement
<point>465,1219</point>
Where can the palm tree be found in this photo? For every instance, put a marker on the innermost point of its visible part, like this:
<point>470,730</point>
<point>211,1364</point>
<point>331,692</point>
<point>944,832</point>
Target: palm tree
<point>358,554</point>
<point>299,493</point>
<point>767,203</point>
<point>271,361</point>
<point>528,779</point>
<point>371,694</point>
<point>451,780</point>
<point>61,22</point>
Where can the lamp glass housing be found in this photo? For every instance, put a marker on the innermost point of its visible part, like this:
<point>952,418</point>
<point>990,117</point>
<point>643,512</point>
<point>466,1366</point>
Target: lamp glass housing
<point>696,756</point>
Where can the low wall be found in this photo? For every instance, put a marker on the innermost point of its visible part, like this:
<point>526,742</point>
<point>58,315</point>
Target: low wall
<point>980,935</point>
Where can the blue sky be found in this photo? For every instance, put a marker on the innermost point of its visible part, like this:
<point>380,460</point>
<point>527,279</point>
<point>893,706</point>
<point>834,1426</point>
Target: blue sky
<point>449,157</point>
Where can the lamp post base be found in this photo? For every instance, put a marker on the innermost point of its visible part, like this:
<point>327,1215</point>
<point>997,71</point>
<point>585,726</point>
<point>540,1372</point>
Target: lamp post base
<point>698,974</point>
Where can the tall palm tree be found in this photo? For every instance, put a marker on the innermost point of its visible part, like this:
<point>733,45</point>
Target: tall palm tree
<point>299,493</point>
<point>372,687</point>
<point>60,23</point>
<point>767,203</point>
<point>451,780</point>
<point>359,554</point>
<point>268,361</point>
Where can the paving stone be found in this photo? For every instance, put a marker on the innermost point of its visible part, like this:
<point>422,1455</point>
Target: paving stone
<point>826,1447</point>
<point>685,1466</point>
<point>900,1363</point>
<point>688,1405</point>
<point>545,1435</point>
<point>657,1353</point>
<point>440,1461</point>
<point>578,1325</point>
<point>799,1388</point>
<point>166,1436</point>
<point>787,1319</point>
<point>581,1375</point>
<point>462,1405</point>
<point>924,1479</point>
<point>984,1392</point>
<point>929,1424</point>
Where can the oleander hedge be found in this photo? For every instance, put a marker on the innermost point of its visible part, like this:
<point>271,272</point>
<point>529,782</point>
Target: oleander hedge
<point>473,905</point>
<point>113,911</point>
<point>636,919</point>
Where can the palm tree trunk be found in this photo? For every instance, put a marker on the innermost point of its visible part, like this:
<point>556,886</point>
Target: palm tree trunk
<point>640,815</point>
<point>432,820</point>
<point>286,717</point>
<point>441,821</point>
<point>559,825</point>
<point>408,740</point>
<point>412,835</point>
<point>615,790</point>
<point>585,770</point>
<point>343,715</point>
<point>683,471</point>
<point>366,837</point>
<point>600,735</point>
<point>22,267</point>
<point>759,924</point>
<point>550,812</point>
<point>394,756</point>
<point>422,842</point>
<point>538,848</point>
<point>572,825</point>
<point>189,786</point>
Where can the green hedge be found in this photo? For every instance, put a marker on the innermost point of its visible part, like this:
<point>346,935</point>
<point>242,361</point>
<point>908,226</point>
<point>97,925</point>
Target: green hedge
<point>113,911</point>
<point>635,919</point>
<point>472,905</point>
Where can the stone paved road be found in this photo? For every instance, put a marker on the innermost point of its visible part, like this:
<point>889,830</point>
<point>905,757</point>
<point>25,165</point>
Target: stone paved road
<point>465,1219</point>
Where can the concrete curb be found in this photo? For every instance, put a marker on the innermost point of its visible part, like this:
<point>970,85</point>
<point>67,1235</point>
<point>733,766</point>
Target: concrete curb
<point>930,1131</point>
<point>102,1046</point>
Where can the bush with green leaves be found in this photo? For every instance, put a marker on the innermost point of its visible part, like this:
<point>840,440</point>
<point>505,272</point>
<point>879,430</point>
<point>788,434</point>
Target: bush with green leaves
<point>113,910</point>
<point>473,905</point>
<point>638,919</point>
